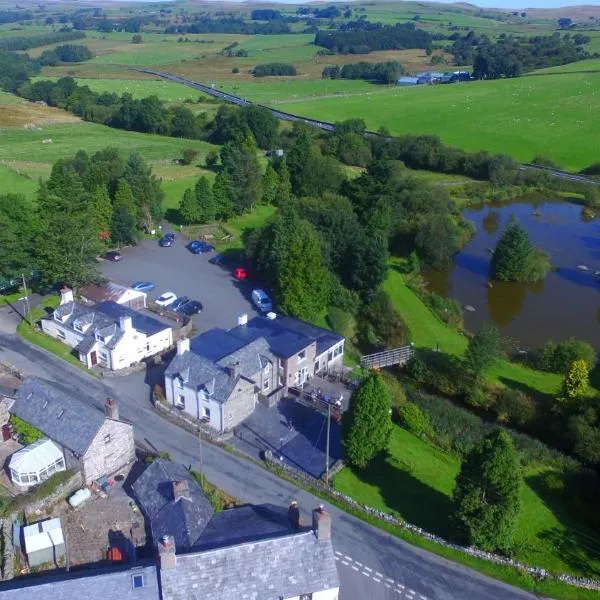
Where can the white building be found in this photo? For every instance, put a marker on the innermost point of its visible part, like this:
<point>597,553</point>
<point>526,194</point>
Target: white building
<point>44,543</point>
<point>109,334</point>
<point>115,292</point>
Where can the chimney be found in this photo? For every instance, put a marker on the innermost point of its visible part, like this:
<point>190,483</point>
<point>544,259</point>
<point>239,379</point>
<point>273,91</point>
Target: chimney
<point>66,295</point>
<point>234,370</point>
<point>181,490</point>
<point>183,346</point>
<point>111,409</point>
<point>166,553</point>
<point>125,323</point>
<point>321,523</point>
<point>294,515</point>
<point>243,320</point>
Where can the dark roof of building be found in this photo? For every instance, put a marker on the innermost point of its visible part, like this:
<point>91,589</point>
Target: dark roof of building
<point>184,518</point>
<point>140,321</point>
<point>281,567</point>
<point>70,422</point>
<point>106,291</point>
<point>287,336</point>
<point>108,584</point>
<point>215,344</point>
<point>245,524</point>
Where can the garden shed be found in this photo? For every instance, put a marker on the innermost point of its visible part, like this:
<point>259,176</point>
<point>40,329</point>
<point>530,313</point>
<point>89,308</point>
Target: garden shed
<point>44,543</point>
<point>36,463</point>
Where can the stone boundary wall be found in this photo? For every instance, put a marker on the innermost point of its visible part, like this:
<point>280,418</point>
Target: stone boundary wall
<point>535,572</point>
<point>72,484</point>
<point>7,560</point>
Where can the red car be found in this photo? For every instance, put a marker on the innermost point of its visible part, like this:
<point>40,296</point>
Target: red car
<point>240,273</point>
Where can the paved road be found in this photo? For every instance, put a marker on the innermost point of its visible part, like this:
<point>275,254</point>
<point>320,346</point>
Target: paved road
<point>179,271</point>
<point>372,564</point>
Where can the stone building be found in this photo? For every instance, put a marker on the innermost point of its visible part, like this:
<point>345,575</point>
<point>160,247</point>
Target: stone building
<point>92,442</point>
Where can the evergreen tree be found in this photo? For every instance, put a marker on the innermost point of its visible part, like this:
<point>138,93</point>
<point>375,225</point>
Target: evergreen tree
<point>146,190</point>
<point>485,348</point>
<point>222,196</point>
<point>287,252</point>
<point>205,200</point>
<point>18,228</point>
<point>270,185</point>
<point>189,209</point>
<point>124,215</point>
<point>101,212</point>
<point>515,258</point>
<point>367,424</point>
<point>284,189</point>
<point>488,493</point>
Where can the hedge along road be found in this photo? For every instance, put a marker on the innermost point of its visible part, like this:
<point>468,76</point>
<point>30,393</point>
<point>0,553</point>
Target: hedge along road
<point>325,125</point>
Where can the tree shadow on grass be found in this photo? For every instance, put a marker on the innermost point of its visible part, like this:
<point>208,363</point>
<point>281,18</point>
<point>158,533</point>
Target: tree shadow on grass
<point>577,545</point>
<point>413,500</point>
<point>541,397</point>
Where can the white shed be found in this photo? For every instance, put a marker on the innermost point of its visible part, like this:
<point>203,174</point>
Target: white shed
<point>44,542</point>
<point>36,463</point>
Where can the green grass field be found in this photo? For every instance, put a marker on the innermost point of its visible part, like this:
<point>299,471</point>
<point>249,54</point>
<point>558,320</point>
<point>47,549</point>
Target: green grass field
<point>522,117</point>
<point>416,482</point>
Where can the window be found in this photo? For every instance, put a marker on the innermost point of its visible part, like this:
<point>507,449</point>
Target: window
<point>78,327</point>
<point>330,356</point>
<point>207,412</point>
<point>267,383</point>
<point>337,351</point>
<point>137,582</point>
<point>107,439</point>
<point>180,401</point>
<point>60,334</point>
<point>301,355</point>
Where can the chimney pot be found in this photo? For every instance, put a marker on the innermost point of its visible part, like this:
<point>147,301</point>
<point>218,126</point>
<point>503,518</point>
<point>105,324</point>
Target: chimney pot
<point>66,295</point>
<point>234,370</point>
<point>294,515</point>
<point>111,409</point>
<point>183,346</point>
<point>125,323</point>
<point>321,523</point>
<point>167,558</point>
<point>180,490</point>
<point>242,320</point>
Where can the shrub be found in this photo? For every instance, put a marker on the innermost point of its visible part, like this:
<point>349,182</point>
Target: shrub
<point>396,390</point>
<point>28,433</point>
<point>235,70</point>
<point>447,309</point>
<point>415,420</point>
<point>212,158</point>
<point>273,69</point>
<point>558,357</point>
<point>342,322</point>
<point>189,156</point>
<point>515,407</point>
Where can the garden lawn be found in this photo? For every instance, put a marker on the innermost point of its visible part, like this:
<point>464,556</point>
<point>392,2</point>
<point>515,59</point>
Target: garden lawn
<point>416,481</point>
<point>522,117</point>
<point>427,331</point>
<point>242,225</point>
<point>13,182</point>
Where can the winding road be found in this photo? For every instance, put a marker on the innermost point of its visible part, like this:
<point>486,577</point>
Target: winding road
<point>372,564</point>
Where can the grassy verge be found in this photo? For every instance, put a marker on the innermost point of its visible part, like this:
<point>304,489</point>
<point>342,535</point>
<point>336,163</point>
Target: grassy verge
<point>240,226</point>
<point>415,482</point>
<point>30,334</point>
<point>427,331</point>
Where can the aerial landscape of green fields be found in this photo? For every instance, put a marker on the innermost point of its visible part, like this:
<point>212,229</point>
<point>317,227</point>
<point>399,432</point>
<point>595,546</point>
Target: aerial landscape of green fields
<point>410,179</point>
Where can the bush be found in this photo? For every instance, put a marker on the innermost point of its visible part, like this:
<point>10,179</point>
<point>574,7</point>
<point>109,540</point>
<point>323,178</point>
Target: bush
<point>235,70</point>
<point>273,69</point>
<point>28,433</point>
<point>446,309</point>
<point>396,390</point>
<point>381,325</point>
<point>189,156</point>
<point>558,357</point>
<point>415,420</point>
<point>515,407</point>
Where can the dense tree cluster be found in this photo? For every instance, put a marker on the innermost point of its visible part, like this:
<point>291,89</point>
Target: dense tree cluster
<point>265,14</point>
<point>509,56</point>
<point>16,70</point>
<point>87,203</point>
<point>68,53</point>
<point>14,16</point>
<point>382,72</point>
<point>273,69</point>
<point>204,24</point>
<point>20,43</point>
<point>233,123</point>
<point>401,36</point>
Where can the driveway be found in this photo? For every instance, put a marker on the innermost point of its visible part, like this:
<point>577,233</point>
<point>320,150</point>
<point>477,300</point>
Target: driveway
<point>177,270</point>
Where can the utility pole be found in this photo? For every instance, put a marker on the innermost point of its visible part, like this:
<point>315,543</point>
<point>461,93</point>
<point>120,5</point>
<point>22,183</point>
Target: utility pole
<point>200,457</point>
<point>26,298</point>
<point>327,447</point>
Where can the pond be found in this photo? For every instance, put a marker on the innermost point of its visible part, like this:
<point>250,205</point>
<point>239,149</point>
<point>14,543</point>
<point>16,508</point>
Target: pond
<point>566,303</point>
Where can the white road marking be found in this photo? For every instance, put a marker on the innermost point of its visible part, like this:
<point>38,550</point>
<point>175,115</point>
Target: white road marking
<point>367,569</point>
<point>345,563</point>
<point>347,557</point>
<point>354,568</point>
<point>389,579</point>
<point>376,580</point>
<point>378,574</point>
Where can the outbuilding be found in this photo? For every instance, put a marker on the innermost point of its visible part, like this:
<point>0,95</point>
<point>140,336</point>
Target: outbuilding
<point>44,543</point>
<point>36,463</point>
<point>408,80</point>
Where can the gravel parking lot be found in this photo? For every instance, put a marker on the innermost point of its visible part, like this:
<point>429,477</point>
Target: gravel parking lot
<point>177,270</point>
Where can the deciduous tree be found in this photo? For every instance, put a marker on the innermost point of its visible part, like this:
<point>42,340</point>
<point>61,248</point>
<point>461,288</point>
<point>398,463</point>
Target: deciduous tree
<point>484,349</point>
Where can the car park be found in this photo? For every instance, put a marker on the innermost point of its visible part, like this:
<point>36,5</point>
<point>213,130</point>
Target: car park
<point>166,299</point>
<point>190,308</point>
<point>142,286</point>
<point>179,302</point>
<point>113,256</point>
<point>262,301</point>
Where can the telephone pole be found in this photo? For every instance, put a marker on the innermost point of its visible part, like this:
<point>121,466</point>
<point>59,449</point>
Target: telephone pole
<point>200,457</point>
<point>327,447</point>
<point>26,298</point>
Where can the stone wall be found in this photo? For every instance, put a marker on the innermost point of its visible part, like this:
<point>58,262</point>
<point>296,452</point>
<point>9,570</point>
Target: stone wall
<point>61,492</point>
<point>240,404</point>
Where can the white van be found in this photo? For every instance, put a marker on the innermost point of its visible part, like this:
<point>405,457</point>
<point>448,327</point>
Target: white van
<point>262,301</point>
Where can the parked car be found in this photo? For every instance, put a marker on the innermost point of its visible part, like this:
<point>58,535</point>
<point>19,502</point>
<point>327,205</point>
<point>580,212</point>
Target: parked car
<point>165,242</point>
<point>197,247</point>
<point>217,259</point>
<point>240,273</point>
<point>262,301</point>
<point>179,302</point>
<point>142,286</point>
<point>113,256</point>
<point>166,299</point>
<point>170,235</point>
<point>190,308</point>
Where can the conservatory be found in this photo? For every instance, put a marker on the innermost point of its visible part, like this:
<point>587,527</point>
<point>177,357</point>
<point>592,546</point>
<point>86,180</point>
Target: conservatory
<point>36,463</point>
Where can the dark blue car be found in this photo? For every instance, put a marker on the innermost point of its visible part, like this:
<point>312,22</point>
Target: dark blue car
<point>197,247</point>
<point>165,242</point>
<point>179,302</point>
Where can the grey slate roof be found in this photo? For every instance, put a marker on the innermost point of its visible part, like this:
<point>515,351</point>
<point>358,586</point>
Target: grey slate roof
<point>252,358</point>
<point>108,585</point>
<point>185,519</point>
<point>70,422</point>
<point>281,567</point>
<point>215,344</point>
